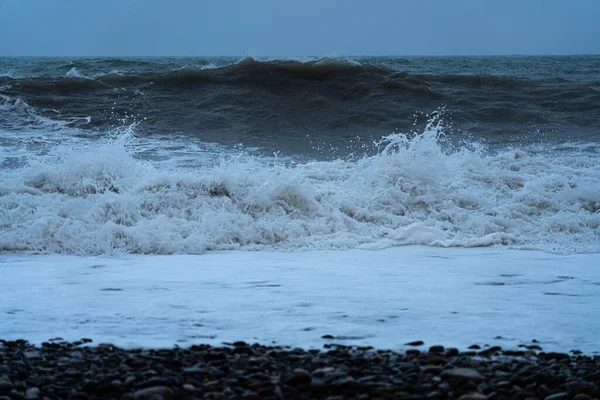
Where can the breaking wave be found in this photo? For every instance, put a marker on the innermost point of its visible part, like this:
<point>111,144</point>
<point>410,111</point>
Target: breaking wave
<point>418,189</point>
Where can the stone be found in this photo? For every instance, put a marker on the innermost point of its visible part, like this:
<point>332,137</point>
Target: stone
<point>32,354</point>
<point>5,383</point>
<point>431,369</point>
<point>250,395</point>
<point>473,396</point>
<point>582,396</point>
<point>581,386</point>
<point>197,369</point>
<point>556,356</point>
<point>32,393</point>
<point>436,349</point>
<point>300,377</point>
<point>452,352</point>
<point>321,372</point>
<point>415,343</point>
<point>462,373</point>
<point>490,351</point>
<point>16,395</point>
<point>558,396</point>
<point>147,393</point>
<point>594,377</point>
<point>78,396</point>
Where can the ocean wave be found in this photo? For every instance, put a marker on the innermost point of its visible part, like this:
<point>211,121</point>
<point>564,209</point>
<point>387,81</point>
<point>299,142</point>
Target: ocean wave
<point>418,189</point>
<point>262,98</point>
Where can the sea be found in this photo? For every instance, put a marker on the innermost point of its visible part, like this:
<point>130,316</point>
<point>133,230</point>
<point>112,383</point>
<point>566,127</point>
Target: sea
<point>375,200</point>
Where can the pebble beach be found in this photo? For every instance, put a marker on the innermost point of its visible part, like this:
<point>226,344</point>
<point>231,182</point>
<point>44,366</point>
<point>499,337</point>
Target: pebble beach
<point>84,370</point>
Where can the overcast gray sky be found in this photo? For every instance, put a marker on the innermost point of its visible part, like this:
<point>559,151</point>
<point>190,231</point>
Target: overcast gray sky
<point>298,28</point>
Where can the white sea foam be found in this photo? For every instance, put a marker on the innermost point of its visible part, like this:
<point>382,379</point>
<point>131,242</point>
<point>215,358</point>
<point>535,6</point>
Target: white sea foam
<point>74,73</point>
<point>383,299</point>
<point>103,200</point>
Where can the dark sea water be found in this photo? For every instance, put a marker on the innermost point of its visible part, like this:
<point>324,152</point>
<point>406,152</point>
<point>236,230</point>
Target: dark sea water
<point>164,155</point>
<point>312,106</point>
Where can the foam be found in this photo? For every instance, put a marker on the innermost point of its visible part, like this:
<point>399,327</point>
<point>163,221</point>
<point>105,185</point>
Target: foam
<point>456,297</point>
<point>74,73</point>
<point>102,199</point>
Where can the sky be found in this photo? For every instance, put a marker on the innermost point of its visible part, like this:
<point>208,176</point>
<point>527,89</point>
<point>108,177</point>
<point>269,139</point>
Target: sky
<point>298,27</point>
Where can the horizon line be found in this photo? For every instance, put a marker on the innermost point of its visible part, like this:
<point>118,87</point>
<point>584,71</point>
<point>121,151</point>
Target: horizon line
<point>307,56</point>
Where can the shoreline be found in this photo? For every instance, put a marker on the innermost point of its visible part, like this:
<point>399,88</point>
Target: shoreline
<point>86,370</point>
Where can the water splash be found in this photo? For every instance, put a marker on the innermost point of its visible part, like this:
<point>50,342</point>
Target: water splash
<point>415,191</point>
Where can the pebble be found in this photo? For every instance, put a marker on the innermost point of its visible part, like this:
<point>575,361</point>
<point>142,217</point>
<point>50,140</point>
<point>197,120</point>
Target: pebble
<point>436,349</point>
<point>5,383</point>
<point>558,396</point>
<point>582,396</point>
<point>300,377</point>
<point>452,352</point>
<point>473,396</point>
<point>243,371</point>
<point>147,393</point>
<point>462,373</point>
<point>32,393</point>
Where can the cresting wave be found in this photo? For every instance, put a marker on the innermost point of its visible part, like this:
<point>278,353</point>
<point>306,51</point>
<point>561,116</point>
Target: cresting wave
<point>288,105</point>
<point>416,190</point>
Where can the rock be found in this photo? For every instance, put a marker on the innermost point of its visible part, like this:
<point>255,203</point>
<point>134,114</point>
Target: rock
<point>5,383</point>
<point>581,386</point>
<point>462,373</point>
<point>197,369</point>
<point>490,351</point>
<point>533,347</point>
<point>189,387</point>
<point>473,396</point>
<point>321,372</point>
<point>436,349</point>
<point>32,354</point>
<point>452,352</point>
<point>501,374</point>
<point>78,396</point>
<point>415,343</point>
<point>246,350</point>
<point>147,393</point>
<point>300,377</point>
<point>436,394</point>
<point>431,369</point>
<point>582,396</point>
<point>32,393</point>
<point>250,395</point>
<point>558,396</point>
<point>348,382</point>
<point>259,360</point>
<point>556,356</point>
<point>327,337</point>
<point>594,377</point>
<point>16,395</point>
<point>155,381</point>
<point>474,347</point>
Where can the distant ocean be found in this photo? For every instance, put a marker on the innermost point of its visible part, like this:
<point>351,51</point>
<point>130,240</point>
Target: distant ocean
<point>154,201</point>
<point>186,155</point>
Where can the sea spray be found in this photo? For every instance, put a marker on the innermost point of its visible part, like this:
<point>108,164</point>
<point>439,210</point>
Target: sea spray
<point>103,199</point>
